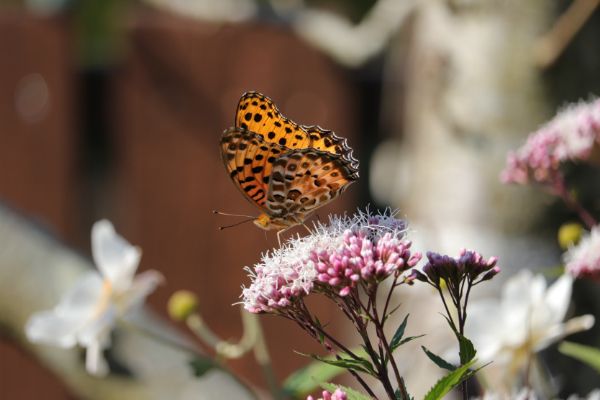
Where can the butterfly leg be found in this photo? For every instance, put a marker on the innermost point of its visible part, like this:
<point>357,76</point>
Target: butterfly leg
<point>307,228</point>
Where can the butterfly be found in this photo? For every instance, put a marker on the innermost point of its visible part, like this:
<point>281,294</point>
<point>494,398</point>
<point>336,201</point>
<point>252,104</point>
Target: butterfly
<point>285,169</point>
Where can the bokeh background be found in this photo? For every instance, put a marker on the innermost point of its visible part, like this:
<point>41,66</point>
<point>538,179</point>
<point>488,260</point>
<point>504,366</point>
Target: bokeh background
<point>114,109</point>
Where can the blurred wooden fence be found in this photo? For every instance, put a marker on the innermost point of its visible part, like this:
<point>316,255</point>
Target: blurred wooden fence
<point>166,102</point>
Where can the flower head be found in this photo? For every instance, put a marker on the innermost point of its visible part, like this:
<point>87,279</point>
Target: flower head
<point>527,319</point>
<point>572,135</point>
<point>336,255</point>
<point>583,260</point>
<point>468,265</point>
<point>88,312</point>
<point>281,277</point>
<point>362,259</point>
<point>339,394</point>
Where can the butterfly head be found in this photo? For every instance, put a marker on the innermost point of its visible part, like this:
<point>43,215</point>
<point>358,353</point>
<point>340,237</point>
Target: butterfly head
<point>269,223</point>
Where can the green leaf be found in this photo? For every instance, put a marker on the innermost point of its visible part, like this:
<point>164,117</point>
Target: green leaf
<point>444,385</point>
<point>467,350</point>
<point>201,365</point>
<point>307,379</point>
<point>393,310</point>
<point>361,365</point>
<point>399,333</point>
<point>439,361</point>
<point>321,338</point>
<point>408,339</point>
<point>451,323</point>
<point>586,354</point>
<point>351,393</point>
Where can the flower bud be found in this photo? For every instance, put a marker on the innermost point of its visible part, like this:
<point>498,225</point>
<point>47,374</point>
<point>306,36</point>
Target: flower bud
<point>569,235</point>
<point>182,304</point>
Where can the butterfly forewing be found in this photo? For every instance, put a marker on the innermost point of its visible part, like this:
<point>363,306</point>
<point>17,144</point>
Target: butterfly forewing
<point>248,160</point>
<point>257,113</point>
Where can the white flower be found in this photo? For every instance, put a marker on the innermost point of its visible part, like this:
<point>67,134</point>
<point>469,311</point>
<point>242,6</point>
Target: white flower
<point>87,313</point>
<point>527,319</point>
<point>583,260</point>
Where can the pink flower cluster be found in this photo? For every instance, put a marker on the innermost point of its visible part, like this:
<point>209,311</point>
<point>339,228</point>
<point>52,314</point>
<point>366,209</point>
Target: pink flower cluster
<point>339,394</point>
<point>362,259</point>
<point>583,260</point>
<point>573,134</point>
<point>340,253</point>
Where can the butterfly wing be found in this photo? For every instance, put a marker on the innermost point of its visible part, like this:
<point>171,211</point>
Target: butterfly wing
<point>257,113</point>
<point>249,161</point>
<point>304,180</point>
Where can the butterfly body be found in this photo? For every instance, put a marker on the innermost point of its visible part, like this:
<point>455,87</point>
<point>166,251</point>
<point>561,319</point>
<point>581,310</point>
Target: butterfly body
<point>285,169</point>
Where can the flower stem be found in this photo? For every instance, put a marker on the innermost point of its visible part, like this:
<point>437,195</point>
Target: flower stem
<point>306,322</point>
<point>188,349</point>
<point>362,330</point>
<point>380,333</point>
<point>561,189</point>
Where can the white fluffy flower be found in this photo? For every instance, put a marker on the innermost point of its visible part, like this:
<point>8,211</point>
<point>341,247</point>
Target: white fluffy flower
<point>583,260</point>
<point>87,313</point>
<point>527,319</point>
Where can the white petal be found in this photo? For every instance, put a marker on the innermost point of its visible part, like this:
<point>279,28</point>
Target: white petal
<point>98,327</point>
<point>484,328</point>
<point>81,300</point>
<point>559,331</point>
<point>49,328</point>
<point>558,297</point>
<point>143,284</point>
<point>116,259</point>
<point>95,363</point>
<point>519,290</point>
<point>516,308</point>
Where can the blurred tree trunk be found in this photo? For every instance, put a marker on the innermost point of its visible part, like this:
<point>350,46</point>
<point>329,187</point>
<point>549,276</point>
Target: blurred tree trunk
<point>470,91</point>
<point>35,270</point>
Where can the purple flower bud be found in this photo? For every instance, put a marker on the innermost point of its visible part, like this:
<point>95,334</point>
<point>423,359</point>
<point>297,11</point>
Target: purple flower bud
<point>490,274</point>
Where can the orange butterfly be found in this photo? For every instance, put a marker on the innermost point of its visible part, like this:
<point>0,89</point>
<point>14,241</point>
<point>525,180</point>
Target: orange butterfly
<point>287,170</point>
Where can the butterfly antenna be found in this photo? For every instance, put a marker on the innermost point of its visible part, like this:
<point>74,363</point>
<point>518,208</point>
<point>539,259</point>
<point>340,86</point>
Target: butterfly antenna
<point>232,215</point>
<point>236,224</point>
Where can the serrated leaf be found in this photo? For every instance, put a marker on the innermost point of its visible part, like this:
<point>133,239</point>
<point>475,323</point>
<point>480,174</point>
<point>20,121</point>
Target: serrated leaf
<point>467,350</point>
<point>444,385</point>
<point>586,354</point>
<point>350,393</point>
<point>439,361</point>
<point>201,365</point>
<point>399,333</point>
<point>307,379</point>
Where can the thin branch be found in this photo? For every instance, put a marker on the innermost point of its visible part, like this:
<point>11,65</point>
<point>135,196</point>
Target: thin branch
<point>551,45</point>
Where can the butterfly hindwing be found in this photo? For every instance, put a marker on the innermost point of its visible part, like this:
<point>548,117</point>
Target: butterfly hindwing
<point>304,180</point>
